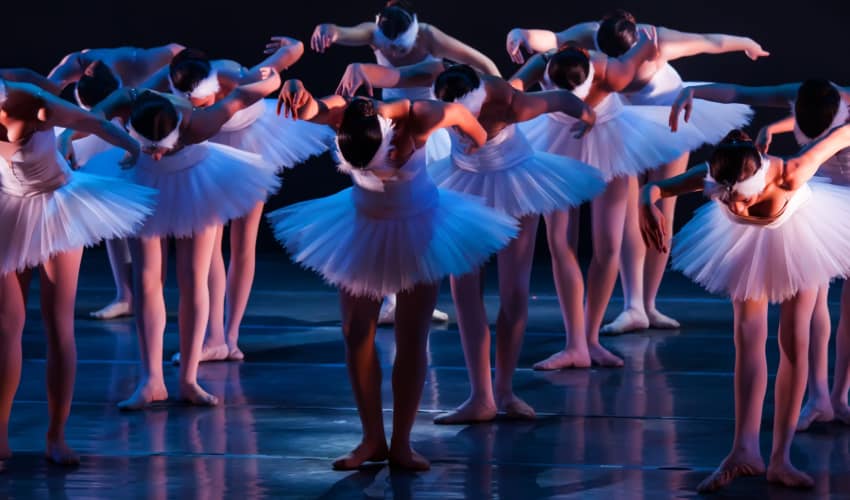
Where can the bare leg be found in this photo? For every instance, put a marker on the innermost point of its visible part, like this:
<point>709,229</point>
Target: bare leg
<point>656,262</point>
<point>148,265</point>
<point>193,267</point>
<point>750,386</point>
<point>122,272</point>
<point>214,347</point>
<point>413,322</point>
<point>569,284</point>
<point>841,380</point>
<point>240,276</point>
<point>514,276</point>
<point>58,284</point>
<point>608,214</point>
<point>467,291</point>
<point>12,318</point>
<point>359,322</point>
<point>794,326</point>
<point>818,407</point>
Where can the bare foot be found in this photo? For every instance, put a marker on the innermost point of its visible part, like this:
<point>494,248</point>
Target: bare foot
<point>60,453</point>
<point>603,357</point>
<point>406,458</point>
<point>194,395</point>
<point>629,320</point>
<point>515,408</point>
<point>116,309</point>
<point>788,475</point>
<point>564,359</point>
<point>438,316</point>
<point>365,452</point>
<point>216,353</point>
<point>235,354</point>
<point>146,394</point>
<point>470,412</point>
<point>842,412</point>
<point>737,464</point>
<point>661,321</point>
<point>815,411</point>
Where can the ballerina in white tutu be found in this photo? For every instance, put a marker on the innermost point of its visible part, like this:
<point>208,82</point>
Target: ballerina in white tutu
<point>394,232</point>
<point>655,82</point>
<point>769,236</point>
<point>189,173</point>
<point>256,129</point>
<point>511,177</point>
<point>625,142</point>
<point>89,76</point>
<point>48,214</point>
<point>397,39</point>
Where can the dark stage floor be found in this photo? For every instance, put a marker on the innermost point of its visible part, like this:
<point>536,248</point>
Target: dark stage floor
<point>652,430</point>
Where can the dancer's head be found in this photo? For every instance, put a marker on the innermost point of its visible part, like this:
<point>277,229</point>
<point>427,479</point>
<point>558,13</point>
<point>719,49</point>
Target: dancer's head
<point>737,171</point>
<point>20,111</point>
<point>816,107</point>
<point>571,69</point>
<point>192,76</point>
<point>397,28</point>
<point>617,33</point>
<point>460,83</point>
<point>155,123</point>
<point>362,134</point>
<point>95,85</point>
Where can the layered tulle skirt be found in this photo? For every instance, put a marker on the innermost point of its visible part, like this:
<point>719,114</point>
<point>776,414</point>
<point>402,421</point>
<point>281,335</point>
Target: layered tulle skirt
<point>376,253</point>
<point>199,186</point>
<point>803,250</point>
<point>85,210</point>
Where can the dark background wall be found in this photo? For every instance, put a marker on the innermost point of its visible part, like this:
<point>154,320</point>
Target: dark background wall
<point>810,40</point>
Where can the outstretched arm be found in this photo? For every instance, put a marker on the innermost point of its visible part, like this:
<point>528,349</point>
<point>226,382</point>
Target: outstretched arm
<point>652,223</point>
<point>802,167</point>
<point>25,75</point>
<point>765,135</point>
<point>325,35</point>
<point>445,46</point>
<point>359,75</point>
<point>530,73</point>
<point>674,44</point>
<point>776,96</point>
<point>283,52</point>
<point>537,40</point>
<point>298,103</point>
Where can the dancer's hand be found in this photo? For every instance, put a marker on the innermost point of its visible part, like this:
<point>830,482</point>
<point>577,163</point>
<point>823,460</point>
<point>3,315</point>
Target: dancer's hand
<point>649,35</point>
<point>754,50</point>
<point>323,37</point>
<point>583,126</point>
<point>351,81</point>
<point>293,96</point>
<point>277,42</point>
<point>130,159</point>
<point>66,149</point>
<point>516,42</point>
<point>763,140</point>
<point>267,72</point>
<point>652,221</point>
<point>685,102</point>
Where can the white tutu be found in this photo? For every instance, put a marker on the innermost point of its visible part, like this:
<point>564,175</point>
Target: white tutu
<point>46,209</point>
<point>380,243</point>
<point>199,186</point>
<point>712,119</point>
<point>513,178</point>
<point>625,140</point>
<point>804,248</point>
<point>439,146</point>
<point>282,141</point>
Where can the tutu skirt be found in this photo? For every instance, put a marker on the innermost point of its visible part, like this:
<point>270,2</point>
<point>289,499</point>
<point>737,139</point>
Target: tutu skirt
<point>802,250</point>
<point>439,146</point>
<point>513,178</point>
<point>199,186</point>
<point>376,253</point>
<point>282,141</point>
<point>84,211</point>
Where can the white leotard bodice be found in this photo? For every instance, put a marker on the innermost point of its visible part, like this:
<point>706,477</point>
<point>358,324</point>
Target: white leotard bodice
<point>35,168</point>
<point>244,118</point>
<point>409,192</point>
<point>506,149</point>
<point>661,90</point>
<point>606,109</point>
<point>797,200</point>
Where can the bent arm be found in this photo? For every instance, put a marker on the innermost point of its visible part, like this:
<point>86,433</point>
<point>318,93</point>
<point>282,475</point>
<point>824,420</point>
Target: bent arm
<point>448,47</point>
<point>674,44</point>
<point>802,167</point>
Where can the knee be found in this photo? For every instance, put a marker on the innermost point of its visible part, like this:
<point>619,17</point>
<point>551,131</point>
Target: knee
<point>794,344</point>
<point>606,255</point>
<point>12,325</point>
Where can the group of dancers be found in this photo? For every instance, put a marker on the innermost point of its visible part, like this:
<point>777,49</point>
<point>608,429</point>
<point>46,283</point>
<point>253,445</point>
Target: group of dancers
<point>455,164</point>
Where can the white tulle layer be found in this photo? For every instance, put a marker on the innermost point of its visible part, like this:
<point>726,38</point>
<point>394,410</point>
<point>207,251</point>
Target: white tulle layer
<point>714,120</point>
<point>282,141</point>
<point>439,146</point>
<point>199,186</point>
<point>751,262</point>
<point>378,256</point>
<point>541,184</point>
<point>634,140</point>
<point>88,147</point>
<point>83,212</point>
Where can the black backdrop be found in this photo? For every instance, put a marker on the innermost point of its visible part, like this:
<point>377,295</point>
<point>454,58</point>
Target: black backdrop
<point>810,40</point>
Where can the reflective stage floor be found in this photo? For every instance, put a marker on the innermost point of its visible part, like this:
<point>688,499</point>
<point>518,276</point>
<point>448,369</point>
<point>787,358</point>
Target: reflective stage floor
<point>651,430</point>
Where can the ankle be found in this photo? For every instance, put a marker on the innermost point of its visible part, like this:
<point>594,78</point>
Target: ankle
<point>56,435</point>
